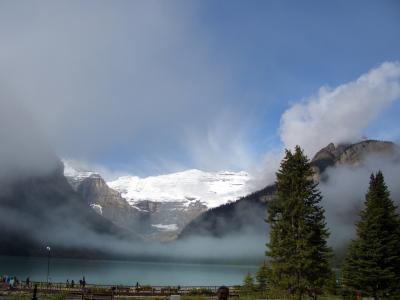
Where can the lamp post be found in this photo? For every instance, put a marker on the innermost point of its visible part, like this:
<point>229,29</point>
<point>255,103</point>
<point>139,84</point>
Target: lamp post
<point>48,263</point>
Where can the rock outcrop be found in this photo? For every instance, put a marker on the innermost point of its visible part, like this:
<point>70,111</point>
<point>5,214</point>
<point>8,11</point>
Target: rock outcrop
<point>109,203</point>
<point>351,155</point>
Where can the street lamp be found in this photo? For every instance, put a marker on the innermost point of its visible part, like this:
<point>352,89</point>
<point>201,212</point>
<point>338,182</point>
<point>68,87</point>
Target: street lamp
<point>48,263</point>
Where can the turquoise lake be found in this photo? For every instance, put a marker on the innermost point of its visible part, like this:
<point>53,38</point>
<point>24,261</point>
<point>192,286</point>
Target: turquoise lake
<point>124,272</point>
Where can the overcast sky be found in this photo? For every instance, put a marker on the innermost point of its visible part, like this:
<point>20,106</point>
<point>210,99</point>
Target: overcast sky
<point>149,87</point>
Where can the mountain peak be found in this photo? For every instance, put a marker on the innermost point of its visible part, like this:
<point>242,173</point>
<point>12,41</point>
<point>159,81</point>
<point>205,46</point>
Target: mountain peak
<point>351,154</point>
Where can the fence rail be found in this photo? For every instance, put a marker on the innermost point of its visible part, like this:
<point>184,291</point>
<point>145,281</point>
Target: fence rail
<point>104,291</point>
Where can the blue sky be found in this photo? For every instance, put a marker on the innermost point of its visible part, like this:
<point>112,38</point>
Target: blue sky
<point>149,87</point>
<point>286,50</point>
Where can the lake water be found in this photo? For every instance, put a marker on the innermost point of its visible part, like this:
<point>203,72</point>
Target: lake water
<point>123,272</point>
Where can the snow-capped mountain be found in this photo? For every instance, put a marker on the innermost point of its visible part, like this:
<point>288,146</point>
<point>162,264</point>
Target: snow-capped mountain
<point>210,188</point>
<point>157,207</point>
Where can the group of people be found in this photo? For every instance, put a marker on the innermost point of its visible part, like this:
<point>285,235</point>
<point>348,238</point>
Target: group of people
<point>82,283</point>
<point>9,281</point>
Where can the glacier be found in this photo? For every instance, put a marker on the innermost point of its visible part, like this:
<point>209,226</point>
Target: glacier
<point>210,188</point>
<point>188,187</point>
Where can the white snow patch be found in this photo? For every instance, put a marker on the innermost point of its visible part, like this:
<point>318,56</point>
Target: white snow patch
<point>211,188</point>
<point>76,172</point>
<point>97,208</point>
<point>165,227</point>
<point>139,209</point>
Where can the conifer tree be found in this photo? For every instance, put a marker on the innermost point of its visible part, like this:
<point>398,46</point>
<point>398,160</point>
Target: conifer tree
<point>248,284</point>
<point>373,258</point>
<point>262,277</point>
<point>298,251</point>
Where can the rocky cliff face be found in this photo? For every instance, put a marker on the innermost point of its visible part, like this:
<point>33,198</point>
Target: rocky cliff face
<point>326,157</point>
<point>351,155</point>
<point>355,154</point>
<point>109,203</point>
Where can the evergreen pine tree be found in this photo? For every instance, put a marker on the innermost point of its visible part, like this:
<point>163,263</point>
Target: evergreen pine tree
<point>248,284</point>
<point>262,278</point>
<point>297,248</point>
<point>373,258</point>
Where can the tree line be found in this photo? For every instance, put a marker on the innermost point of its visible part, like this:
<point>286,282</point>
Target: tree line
<point>298,264</point>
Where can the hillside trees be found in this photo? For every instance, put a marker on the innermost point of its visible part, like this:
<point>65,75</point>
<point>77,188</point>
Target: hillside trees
<point>372,264</point>
<point>298,251</point>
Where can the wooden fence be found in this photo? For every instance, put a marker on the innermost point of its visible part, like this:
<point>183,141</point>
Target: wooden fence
<point>101,291</point>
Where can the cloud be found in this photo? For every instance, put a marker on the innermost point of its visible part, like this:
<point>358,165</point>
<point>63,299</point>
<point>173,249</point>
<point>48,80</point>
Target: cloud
<point>335,115</point>
<point>221,144</point>
<point>265,173</point>
<point>122,82</point>
<point>342,113</point>
<point>24,151</point>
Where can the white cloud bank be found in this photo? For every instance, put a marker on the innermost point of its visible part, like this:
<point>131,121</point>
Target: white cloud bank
<point>335,115</point>
<point>341,114</point>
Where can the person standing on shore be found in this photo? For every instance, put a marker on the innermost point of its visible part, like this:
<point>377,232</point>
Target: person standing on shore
<point>34,297</point>
<point>223,293</point>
